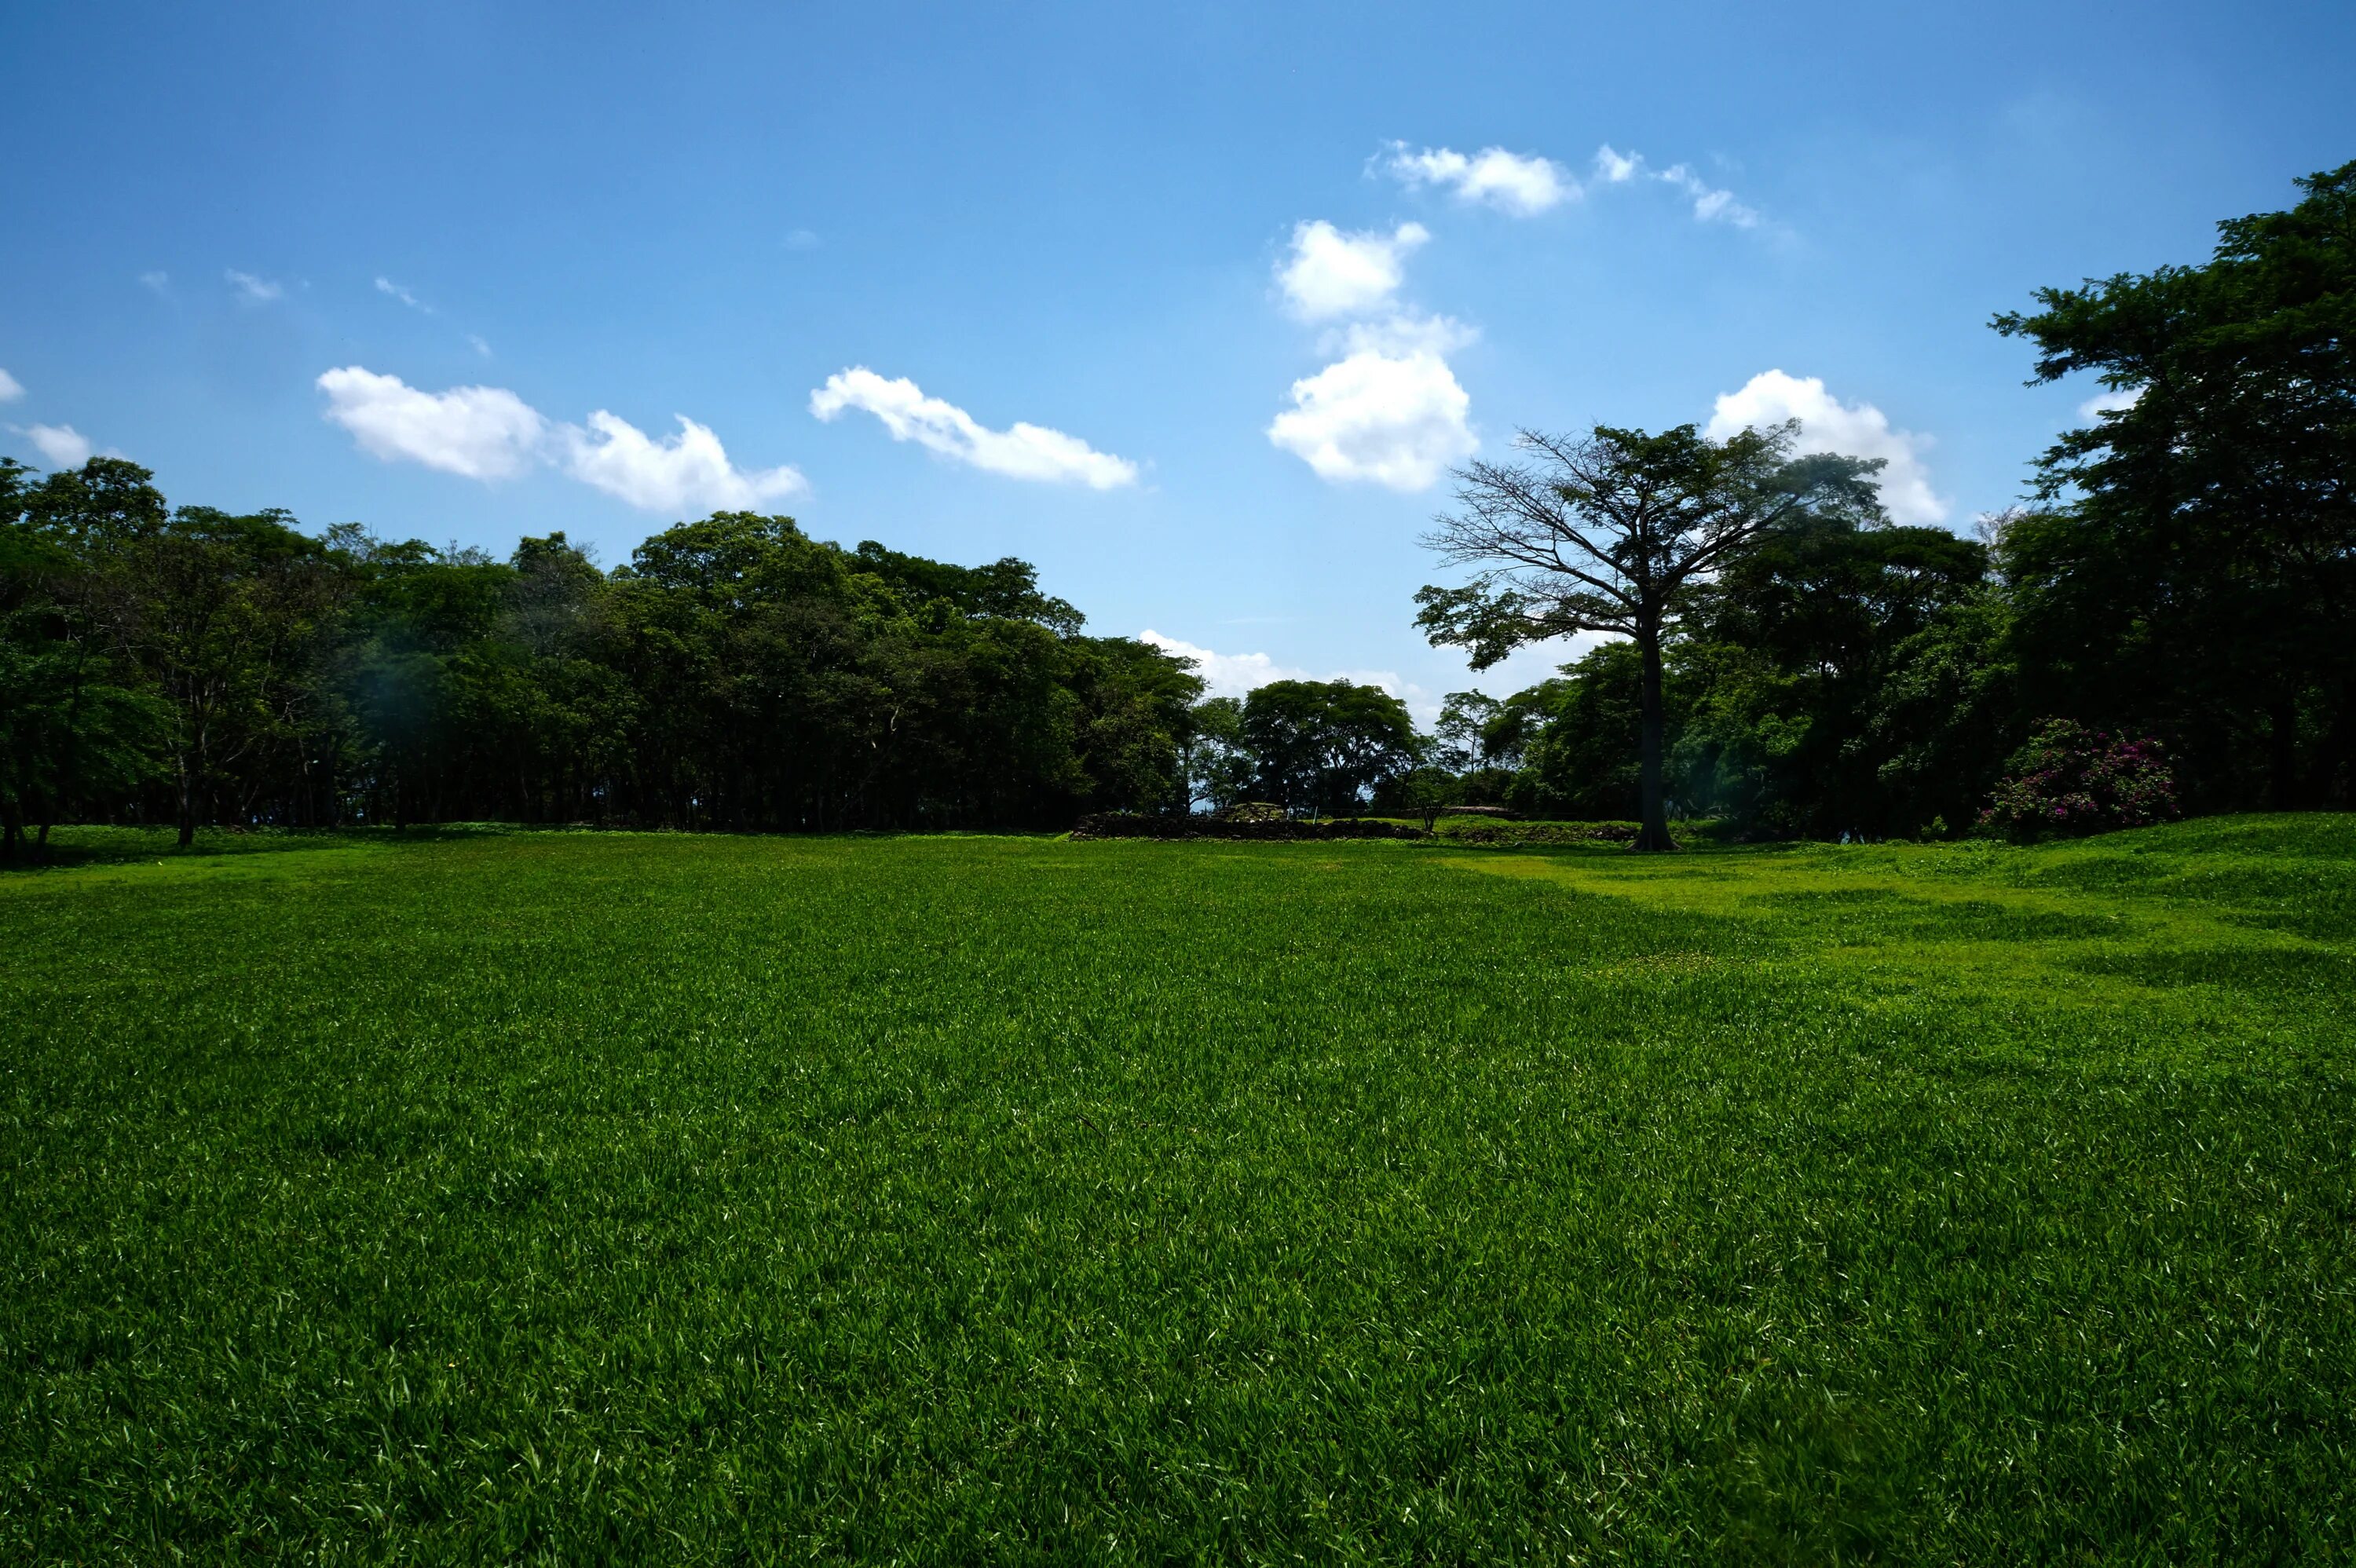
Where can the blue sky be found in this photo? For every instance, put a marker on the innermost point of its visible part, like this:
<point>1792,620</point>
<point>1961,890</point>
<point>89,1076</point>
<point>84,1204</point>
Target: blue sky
<point>458,271</point>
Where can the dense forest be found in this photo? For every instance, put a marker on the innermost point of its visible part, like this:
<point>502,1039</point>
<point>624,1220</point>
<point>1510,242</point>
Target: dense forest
<point>2180,584</point>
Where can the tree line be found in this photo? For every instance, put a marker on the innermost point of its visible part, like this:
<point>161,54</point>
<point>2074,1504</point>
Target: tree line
<point>193,666</point>
<point>2181,585</point>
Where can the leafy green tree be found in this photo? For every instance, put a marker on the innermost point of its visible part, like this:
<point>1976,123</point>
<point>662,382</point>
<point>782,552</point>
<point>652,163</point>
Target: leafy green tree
<point>1789,655</point>
<point>75,731</point>
<point>1427,791</point>
<point>1614,531</point>
<point>1322,746</point>
<point>1220,768</point>
<point>1583,757</point>
<point>2194,572</point>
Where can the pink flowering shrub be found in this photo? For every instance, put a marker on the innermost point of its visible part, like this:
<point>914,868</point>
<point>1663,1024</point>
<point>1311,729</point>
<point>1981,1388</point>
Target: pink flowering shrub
<point>2071,781</point>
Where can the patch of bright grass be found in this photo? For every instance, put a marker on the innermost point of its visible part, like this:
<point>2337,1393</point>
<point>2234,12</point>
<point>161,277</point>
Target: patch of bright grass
<point>545,1197</point>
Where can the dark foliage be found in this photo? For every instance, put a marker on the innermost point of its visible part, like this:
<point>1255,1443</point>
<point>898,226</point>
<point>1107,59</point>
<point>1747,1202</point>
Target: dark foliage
<point>1201,824</point>
<point>2196,575</point>
<point>194,667</point>
<point>2189,577</point>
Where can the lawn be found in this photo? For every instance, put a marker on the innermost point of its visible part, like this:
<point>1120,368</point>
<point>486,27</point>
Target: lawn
<point>560,1197</point>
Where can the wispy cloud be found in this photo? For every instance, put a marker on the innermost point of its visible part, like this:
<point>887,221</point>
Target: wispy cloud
<point>475,341</point>
<point>2110,401</point>
<point>1020,452</point>
<point>60,445</point>
<point>1710,204</point>
<point>252,290</point>
<point>1520,183</point>
<point>387,286</point>
<point>159,282</point>
<point>11,388</point>
<point>1615,168</point>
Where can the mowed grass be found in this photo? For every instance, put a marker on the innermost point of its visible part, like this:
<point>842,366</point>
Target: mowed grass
<point>565,1197</point>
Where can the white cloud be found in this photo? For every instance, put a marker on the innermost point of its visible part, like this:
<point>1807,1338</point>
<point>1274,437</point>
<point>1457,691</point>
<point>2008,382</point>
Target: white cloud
<point>1233,675</point>
<point>1402,333</point>
<point>1709,204</point>
<point>489,433</point>
<point>802,240</point>
<point>159,282</point>
<point>2109,401</point>
<point>1398,419</point>
<point>1330,273</point>
<point>252,290</point>
<point>1616,168</point>
<point>691,472</point>
<point>11,388</point>
<point>478,432</point>
<point>1512,182</point>
<point>60,445</point>
<point>1021,451</point>
<point>476,341</point>
<point>1826,424</point>
<point>1225,675</point>
<point>387,286</point>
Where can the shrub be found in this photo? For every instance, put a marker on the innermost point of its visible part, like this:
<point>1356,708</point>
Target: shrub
<point>1137,824</point>
<point>1491,830</point>
<point>2070,781</point>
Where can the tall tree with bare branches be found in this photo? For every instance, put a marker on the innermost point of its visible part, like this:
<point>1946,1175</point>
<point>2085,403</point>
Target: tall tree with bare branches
<point>1612,531</point>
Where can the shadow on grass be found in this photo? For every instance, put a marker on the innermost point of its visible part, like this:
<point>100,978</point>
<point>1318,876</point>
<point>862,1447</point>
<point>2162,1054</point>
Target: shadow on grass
<point>71,848</point>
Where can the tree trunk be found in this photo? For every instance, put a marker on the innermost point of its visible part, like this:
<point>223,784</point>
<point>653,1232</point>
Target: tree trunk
<point>2282,737</point>
<point>1654,833</point>
<point>187,804</point>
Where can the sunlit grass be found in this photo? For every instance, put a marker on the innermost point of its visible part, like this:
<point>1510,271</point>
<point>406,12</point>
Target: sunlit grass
<point>519,1196</point>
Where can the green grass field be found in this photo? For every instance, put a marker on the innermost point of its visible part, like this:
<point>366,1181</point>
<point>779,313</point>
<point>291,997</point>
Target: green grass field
<point>566,1196</point>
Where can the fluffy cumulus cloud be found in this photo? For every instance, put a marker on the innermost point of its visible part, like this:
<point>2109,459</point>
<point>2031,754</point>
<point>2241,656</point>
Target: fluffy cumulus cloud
<point>1389,410</point>
<point>477,432</point>
<point>490,433</point>
<point>1225,675</point>
<point>60,445</point>
<point>1020,452</point>
<point>1828,424</point>
<point>252,290</point>
<point>687,473</point>
<point>1328,274</point>
<point>10,387</point>
<point>1398,419</point>
<point>1233,675</point>
<point>1518,183</point>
